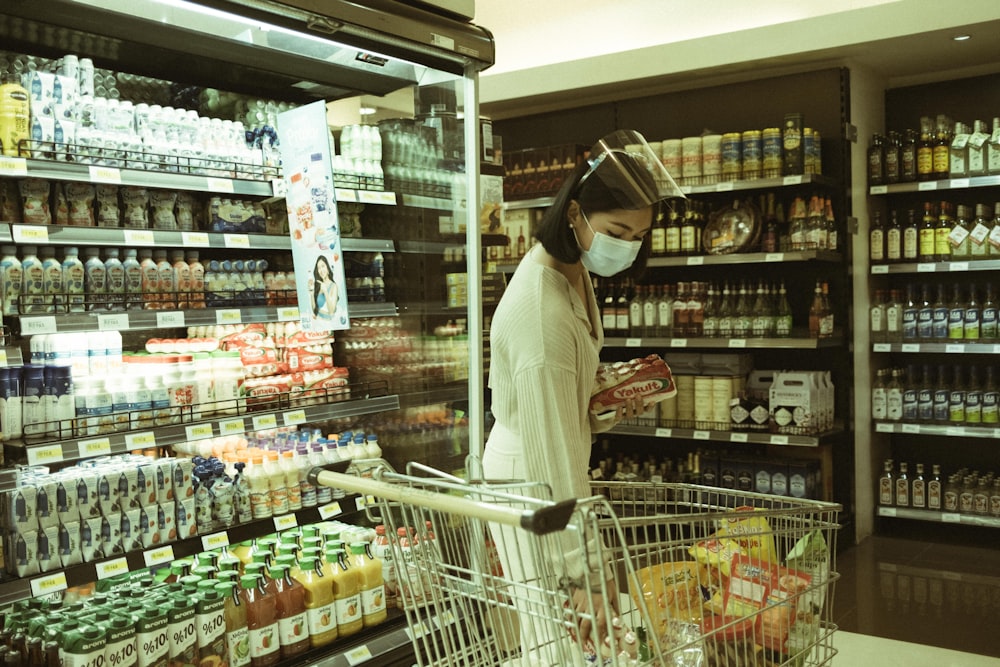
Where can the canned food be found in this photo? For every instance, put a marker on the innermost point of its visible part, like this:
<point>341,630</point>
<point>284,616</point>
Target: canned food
<point>732,160</point>
<point>671,156</point>
<point>814,162</point>
<point>711,158</point>
<point>753,155</point>
<point>691,160</point>
<point>771,150</point>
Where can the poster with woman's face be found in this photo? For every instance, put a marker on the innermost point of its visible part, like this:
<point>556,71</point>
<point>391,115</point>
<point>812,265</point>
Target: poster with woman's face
<point>312,218</point>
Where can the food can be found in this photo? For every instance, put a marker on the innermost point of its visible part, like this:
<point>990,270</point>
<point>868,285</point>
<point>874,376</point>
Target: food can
<point>685,400</point>
<point>670,156</point>
<point>793,145</point>
<point>731,149</point>
<point>722,393</point>
<point>702,401</point>
<point>691,160</point>
<point>753,155</point>
<point>771,149</point>
<point>814,161</point>
<point>711,158</point>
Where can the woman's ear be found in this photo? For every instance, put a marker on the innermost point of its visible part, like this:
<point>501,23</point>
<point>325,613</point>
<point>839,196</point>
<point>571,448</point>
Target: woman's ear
<point>573,212</point>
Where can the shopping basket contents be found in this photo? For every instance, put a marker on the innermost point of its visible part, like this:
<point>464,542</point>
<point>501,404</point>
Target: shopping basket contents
<point>665,574</point>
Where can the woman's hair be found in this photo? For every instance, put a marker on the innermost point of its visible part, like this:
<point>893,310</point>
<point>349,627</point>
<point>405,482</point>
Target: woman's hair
<point>316,281</point>
<point>595,196</point>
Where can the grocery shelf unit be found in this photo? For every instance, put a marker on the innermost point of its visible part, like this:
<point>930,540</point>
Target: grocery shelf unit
<point>823,97</point>
<point>409,50</point>
<point>951,445</point>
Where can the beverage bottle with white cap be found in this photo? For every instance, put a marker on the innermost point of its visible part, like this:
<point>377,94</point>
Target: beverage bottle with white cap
<point>11,277</point>
<point>32,281</point>
<point>167,288</point>
<point>133,280</point>
<point>115,276</point>
<point>95,280</point>
<point>73,280</point>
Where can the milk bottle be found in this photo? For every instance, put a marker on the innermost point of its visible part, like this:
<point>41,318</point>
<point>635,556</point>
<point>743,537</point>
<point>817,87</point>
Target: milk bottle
<point>95,280</point>
<point>32,281</point>
<point>11,276</point>
<point>115,276</point>
<point>73,280</point>
<point>168,285</point>
<point>133,280</point>
<point>52,281</point>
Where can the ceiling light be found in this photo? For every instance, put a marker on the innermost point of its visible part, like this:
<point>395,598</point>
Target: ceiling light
<point>367,111</point>
<point>962,38</point>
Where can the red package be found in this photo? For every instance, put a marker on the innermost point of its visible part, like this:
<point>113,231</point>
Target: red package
<point>768,593</point>
<point>648,377</point>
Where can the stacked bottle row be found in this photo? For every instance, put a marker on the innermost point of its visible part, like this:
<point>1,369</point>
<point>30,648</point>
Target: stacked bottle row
<point>253,605</point>
<point>955,314</point>
<point>953,395</point>
<point>945,232</point>
<point>963,491</point>
<point>707,309</point>
<point>942,148</point>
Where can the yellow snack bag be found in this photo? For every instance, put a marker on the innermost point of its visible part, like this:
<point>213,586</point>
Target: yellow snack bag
<point>717,554</point>
<point>753,533</point>
<point>671,592</point>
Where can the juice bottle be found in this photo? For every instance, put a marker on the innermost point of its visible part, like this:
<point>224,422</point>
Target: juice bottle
<point>197,269</point>
<point>132,272</point>
<point>237,634</point>
<point>115,276</point>
<point>293,489</point>
<point>243,552</point>
<point>262,622</point>
<point>182,633</point>
<point>210,624</point>
<point>15,117</point>
<point>150,280</point>
<point>260,488</point>
<point>290,560</point>
<point>276,482</point>
<point>73,280</point>
<point>293,625</point>
<point>120,649</point>
<point>151,637</point>
<point>382,549</point>
<point>346,592</point>
<point>83,646</point>
<point>167,284</point>
<point>52,281</point>
<point>182,278</point>
<point>95,280</point>
<point>370,584</point>
<point>320,605</point>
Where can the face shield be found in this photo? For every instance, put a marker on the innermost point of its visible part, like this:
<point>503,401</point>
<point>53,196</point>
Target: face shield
<point>627,166</point>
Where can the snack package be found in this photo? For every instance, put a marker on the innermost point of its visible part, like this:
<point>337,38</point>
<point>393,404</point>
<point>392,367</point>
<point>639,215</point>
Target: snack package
<point>35,201</point>
<point>773,591</point>
<point>812,556</point>
<point>60,208</point>
<point>136,204</point>
<point>10,207</point>
<point>162,202</point>
<point>753,533</point>
<point>671,592</point>
<point>108,213</point>
<point>185,211</point>
<point>80,198</point>
<point>715,556</point>
<point>648,377</point>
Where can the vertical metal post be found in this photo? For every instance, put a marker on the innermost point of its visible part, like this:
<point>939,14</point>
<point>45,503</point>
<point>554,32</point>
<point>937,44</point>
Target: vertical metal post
<point>474,264</point>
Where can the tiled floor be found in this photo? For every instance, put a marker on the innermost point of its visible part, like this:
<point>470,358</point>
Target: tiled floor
<point>922,593</point>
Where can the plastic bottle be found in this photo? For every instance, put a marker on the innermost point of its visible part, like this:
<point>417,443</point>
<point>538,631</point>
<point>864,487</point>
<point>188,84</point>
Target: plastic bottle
<point>381,549</point>
<point>346,592</point>
<point>197,271</point>
<point>293,624</point>
<point>83,646</point>
<point>319,602</point>
<point>11,277</point>
<point>371,584</point>
<point>167,283</point>
<point>120,649</point>
<point>73,280</point>
<point>262,622</point>
<point>115,276</point>
<point>11,425</point>
<point>52,281</point>
<point>182,278</point>
<point>210,623</point>
<point>372,449</point>
<point>32,403</point>
<point>152,637</point>
<point>32,281</point>
<point>260,490</point>
<point>150,280</point>
<point>133,280</point>
<point>237,634</point>
<point>293,487</point>
<point>276,482</point>
<point>324,494</point>
<point>95,280</point>
<point>307,490</point>
<point>182,632</point>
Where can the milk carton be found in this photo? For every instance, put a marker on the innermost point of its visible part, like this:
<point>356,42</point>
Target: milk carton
<point>69,544</point>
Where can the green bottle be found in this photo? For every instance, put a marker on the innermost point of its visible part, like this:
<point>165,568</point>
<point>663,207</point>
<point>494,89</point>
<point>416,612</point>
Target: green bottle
<point>152,639</point>
<point>182,633</point>
<point>83,647</point>
<point>120,650</point>
<point>210,624</point>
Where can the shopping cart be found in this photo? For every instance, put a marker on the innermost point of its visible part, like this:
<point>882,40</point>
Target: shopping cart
<point>645,574</point>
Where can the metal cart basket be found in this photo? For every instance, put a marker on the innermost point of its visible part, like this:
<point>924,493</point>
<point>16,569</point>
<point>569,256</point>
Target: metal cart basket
<point>643,574</point>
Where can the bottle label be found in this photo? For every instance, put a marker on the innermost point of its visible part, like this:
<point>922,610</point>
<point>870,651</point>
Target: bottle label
<point>122,653</point>
<point>991,407</point>
<point>925,160</point>
<point>934,495</point>
<point>956,407</point>
<point>942,245</point>
<point>894,405</point>
<point>826,325</point>
<point>373,601</point>
<point>950,501</point>
<point>917,494</point>
<point>925,323</point>
<point>910,405</point>
<point>979,233</point>
<point>877,246</point>
<point>902,493</point>
<point>87,658</point>
<point>635,317</point>
<point>260,504</point>
<point>965,501</point>
<point>264,641</point>
<point>925,405</point>
<point>878,403</point>
<point>322,619</point>
<point>153,645</point>
<point>893,245</point>
<point>910,243</point>
<point>658,241</point>
<point>621,320</point>
<point>238,647</point>
<point>885,494</point>
<point>183,640</point>
<point>956,324</point>
<point>941,158</point>
<point>939,326</point>
<point>876,319</point>
<point>293,630</point>
<point>972,324</point>
<point>211,630</point>
<point>941,404</point>
<point>926,243</point>
<point>348,610</point>
<point>909,323</point>
<point>958,236</point>
<point>608,320</point>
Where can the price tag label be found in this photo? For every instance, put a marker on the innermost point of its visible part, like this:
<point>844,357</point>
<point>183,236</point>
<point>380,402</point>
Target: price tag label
<point>887,511</point>
<point>880,268</point>
<point>996,433</point>
<point>954,348</point>
<point>792,180</point>
<point>926,267</point>
<point>345,195</point>
<point>294,417</point>
<point>954,430</point>
<point>779,439</point>
<point>3,357</point>
<point>911,428</point>
<point>240,241</point>
<point>911,347</point>
<point>169,319</point>
<point>417,630</point>
<point>195,239</point>
<point>223,185</point>
<point>158,556</point>
<point>47,454</point>
<point>199,431</point>
<point>358,655</point>
<point>142,440</point>
<point>701,435</point>
<point>53,583</point>
<point>737,342</point>
<point>13,166</point>
<point>229,316</point>
<point>444,618</point>
<point>368,196</point>
<point>633,342</point>
<point>958,266</point>
<point>29,234</point>
<point>774,257</point>
<point>38,325</point>
<point>383,198</point>
<point>329,510</point>
<point>695,261</point>
<point>360,503</point>
<point>926,185</point>
<point>264,422</point>
<point>232,427</point>
<point>278,187</point>
<point>996,349</point>
<point>878,190</point>
<point>491,267</point>
<point>881,347</point>
<point>738,437</point>
<point>285,521</point>
<point>725,186</point>
<point>95,447</point>
<point>110,175</point>
<point>678,342</point>
<point>112,568</point>
<point>959,182</point>
<point>951,518</point>
<point>663,432</point>
<point>113,322</point>
<point>215,540</point>
<point>139,237</point>
<point>882,427</point>
<point>288,313</point>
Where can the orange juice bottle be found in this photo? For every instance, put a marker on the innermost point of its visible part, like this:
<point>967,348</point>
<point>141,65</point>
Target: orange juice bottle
<point>262,622</point>
<point>320,605</point>
<point>346,592</point>
<point>371,585</point>
<point>293,627</point>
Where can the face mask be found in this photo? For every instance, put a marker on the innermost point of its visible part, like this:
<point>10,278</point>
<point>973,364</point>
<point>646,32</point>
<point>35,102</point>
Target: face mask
<point>608,255</point>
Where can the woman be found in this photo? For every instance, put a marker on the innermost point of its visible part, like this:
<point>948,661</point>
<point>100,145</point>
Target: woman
<point>325,294</point>
<point>545,342</point>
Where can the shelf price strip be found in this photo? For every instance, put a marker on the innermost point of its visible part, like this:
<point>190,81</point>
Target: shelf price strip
<point>215,540</point>
<point>43,455</point>
<point>53,583</point>
<point>358,655</point>
<point>158,556</point>
<point>330,510</point>
<point>285,521</point>
<point>111,568</point>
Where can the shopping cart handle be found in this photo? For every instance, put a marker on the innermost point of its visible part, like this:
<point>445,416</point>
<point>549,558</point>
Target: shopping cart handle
<point>548,519</point>
<point>339,466</point>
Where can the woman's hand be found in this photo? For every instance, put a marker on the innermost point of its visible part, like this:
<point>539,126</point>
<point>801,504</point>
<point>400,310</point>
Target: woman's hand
<point>583,602</point>
<point>633,408</point>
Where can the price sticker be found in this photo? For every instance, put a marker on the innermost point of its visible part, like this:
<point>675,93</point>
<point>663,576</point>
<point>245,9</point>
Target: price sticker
<point>294,417</point>
<point>737,342</point>
<point>139,237</point>
<point>695,261</point>
<point>633,342</point>
<point>112,568</point>
<point>223,185</point>
<point>53,583</point>
<point>142,440</point>
<point>113,322</point>
<point>678,342</point>
<point>195,239</point>
<point>959,182</point>
<point>701,435</point>
<point>46,454</point>
<point>285,521</point>
<point>288,313</point>
<point>329,510</point>
<point>725,186</point>
<point>954,348</point>
<point>888,567</point>
<point>792,180</point>
<point>215,540</point>
<point>360,503</point>
<point>738,437</point>
<point>958,266</point>
<point>383,198</point>
<point>229,316</point>
<point>880,268</point>
<point>491,267</point>
<point>881,347</point>
<point>996,433</point>
<point>95,447</point>
<point>954,430</point>
<point>996,349</point>
<point>264,422</point>
<point>878,190</point>
<point>170,319</point>
<point>774,257</point>
<point>232,427</point>
<point>887,511</point>
<point>99,174</point>
<point>663,432</point>
<point>912,429</point>
<point>13,166</point>
<point>882,427</point>
<point>29,234</point>
<point>927,185</point>
<point>951,518</point>
<point>779,439</point>
<point>158,556</point>
<point>911,347</point>
<point>278,187</point>
<point>345,195</point>
<point>199,431</point>
<point>926,267</point>
<point>358,655</point>
<point>240,241</point>
<point>417,630</point>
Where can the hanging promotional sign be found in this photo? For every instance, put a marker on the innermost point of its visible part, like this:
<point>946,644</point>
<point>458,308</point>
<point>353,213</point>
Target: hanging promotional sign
<point>312,218</point>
